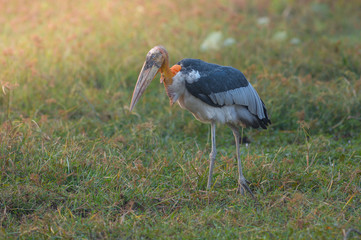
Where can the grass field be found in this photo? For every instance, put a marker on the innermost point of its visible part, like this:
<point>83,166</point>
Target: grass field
<point>75,163</point>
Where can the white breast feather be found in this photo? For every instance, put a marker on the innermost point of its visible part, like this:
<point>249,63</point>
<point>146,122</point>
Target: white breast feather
<point>178,87</point>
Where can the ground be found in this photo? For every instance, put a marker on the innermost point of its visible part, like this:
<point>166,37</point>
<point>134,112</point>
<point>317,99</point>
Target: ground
<point>75,163</point>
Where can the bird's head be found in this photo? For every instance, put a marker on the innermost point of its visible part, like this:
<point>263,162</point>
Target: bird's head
<point>156,61</point>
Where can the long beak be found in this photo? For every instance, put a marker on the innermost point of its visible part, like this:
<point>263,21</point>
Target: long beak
<point>147,74</point>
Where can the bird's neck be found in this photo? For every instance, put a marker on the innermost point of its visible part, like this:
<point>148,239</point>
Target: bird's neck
<point>167,79</point>
<point>167,75</point>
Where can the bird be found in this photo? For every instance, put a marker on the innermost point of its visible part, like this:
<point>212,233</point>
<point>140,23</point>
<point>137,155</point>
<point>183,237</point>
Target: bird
<point>212,93</point>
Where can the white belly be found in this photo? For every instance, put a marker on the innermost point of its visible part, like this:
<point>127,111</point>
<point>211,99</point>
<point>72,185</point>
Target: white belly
<point>235,114</point>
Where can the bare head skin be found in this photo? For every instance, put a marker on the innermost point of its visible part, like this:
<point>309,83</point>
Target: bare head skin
<point>156,61</point>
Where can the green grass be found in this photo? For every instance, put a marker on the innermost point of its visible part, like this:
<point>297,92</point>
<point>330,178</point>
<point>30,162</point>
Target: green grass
<point>75,163</point>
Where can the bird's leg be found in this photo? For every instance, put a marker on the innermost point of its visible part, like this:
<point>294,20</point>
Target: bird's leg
<point>213,154</point>
<point>242,180</point>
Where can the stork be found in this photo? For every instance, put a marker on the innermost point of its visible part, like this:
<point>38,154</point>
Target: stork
<point>212,93</point>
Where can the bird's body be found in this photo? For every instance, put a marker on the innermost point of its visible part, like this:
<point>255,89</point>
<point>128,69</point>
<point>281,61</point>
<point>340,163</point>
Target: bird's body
<point>214,93</point>
<point>211,92</point>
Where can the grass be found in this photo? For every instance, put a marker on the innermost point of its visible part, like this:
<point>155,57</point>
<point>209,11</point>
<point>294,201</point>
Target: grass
<point>75,163</point>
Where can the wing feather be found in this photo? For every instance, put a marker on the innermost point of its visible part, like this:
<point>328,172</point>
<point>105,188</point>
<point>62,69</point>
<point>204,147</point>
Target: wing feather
<point>220,86</point>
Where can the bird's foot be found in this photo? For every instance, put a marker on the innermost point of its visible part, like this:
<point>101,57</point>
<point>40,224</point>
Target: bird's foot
<point>243,185</point>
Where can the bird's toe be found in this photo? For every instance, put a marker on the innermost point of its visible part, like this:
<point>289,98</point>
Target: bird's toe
<point>244,186</point>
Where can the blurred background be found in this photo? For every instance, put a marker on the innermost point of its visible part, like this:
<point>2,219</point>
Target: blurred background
<point>74,59</point>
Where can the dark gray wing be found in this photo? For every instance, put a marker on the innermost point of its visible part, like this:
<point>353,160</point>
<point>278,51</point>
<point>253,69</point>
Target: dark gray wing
<point>221,86</point>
